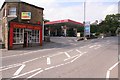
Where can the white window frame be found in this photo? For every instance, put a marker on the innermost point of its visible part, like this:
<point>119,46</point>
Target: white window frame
<point>18,38</point>
<point>12,12</point>
<point>35,36</point>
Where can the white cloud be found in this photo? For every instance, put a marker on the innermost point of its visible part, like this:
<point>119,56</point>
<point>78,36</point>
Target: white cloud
<point>95,10</point>
<point>58,12</point>
<point>53,10</point>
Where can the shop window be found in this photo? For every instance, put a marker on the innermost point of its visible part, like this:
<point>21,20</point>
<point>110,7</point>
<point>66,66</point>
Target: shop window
<point>35,36</point>
<point>18,36</point>
<point>12,11</point>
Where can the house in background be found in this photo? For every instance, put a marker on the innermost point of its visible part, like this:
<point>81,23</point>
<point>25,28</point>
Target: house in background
<point>21,24</point>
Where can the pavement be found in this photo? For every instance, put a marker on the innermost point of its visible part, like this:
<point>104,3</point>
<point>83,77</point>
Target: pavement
<point>63,58</point>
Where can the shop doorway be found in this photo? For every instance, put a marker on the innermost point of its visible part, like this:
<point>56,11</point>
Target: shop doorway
<point>25,39</point>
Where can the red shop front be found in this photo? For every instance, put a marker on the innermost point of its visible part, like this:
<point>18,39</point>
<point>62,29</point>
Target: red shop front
<point>24,35</point>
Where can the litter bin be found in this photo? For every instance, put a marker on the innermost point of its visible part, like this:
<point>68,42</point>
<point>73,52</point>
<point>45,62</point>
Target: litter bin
<point>47,38</point>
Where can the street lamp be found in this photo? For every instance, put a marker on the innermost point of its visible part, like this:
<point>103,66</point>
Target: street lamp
<point>84,19</point>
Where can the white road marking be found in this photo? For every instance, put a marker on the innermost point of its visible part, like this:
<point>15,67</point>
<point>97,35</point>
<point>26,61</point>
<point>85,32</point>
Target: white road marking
<point>69,51</point>
<point>113,66</point>
<point>35,74</point>
<point>49,68</point>
<point>108,71</point>
<point>56,54</point>
<point>108,75</point>
<point>70,57</point>
<point>92,46</point>
<point>57,66</point>
<point>48,61</point>
<point>67,54</point>
<point>10,66</point>
<point>18,64</point>
<point>29,52</point>
<point>78,51</point>
<point>76,58</point>
<point>19,70</point>
<point>26,73</point>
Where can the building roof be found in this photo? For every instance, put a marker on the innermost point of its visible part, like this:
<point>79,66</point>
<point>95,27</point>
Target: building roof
<point>63,21</point>
<point>18,1</point>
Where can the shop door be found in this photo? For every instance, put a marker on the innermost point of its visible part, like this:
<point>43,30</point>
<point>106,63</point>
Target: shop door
<point>25,39</point>
<point>29,38</point>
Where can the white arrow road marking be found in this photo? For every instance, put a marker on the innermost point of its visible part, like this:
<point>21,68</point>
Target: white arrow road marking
<point>108,71</point>
<point>19,70</point>
<point>67,54</point>
<point>26,73</point>
<point>48,61</point>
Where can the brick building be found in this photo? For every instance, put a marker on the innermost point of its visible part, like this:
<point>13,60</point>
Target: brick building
<point>21,24</point>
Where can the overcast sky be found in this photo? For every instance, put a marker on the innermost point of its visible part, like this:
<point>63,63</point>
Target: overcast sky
<point>74,9</point>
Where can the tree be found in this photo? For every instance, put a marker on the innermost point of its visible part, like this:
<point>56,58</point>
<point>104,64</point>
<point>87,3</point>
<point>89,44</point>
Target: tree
<point>110,24</point>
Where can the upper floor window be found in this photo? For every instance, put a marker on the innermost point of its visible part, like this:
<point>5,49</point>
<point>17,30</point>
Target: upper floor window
<point>12,11</point>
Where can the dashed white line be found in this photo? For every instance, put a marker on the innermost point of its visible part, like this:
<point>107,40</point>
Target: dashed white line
<point>67,54</point>
<point>19,70</point>
<point>49,68</point>
<point>48,61</point>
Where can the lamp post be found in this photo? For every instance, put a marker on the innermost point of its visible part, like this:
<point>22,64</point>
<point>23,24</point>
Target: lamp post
<point>84,19</point>
<point>43,30</point>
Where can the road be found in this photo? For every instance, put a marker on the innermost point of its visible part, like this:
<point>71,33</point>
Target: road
<point>63,58</point>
